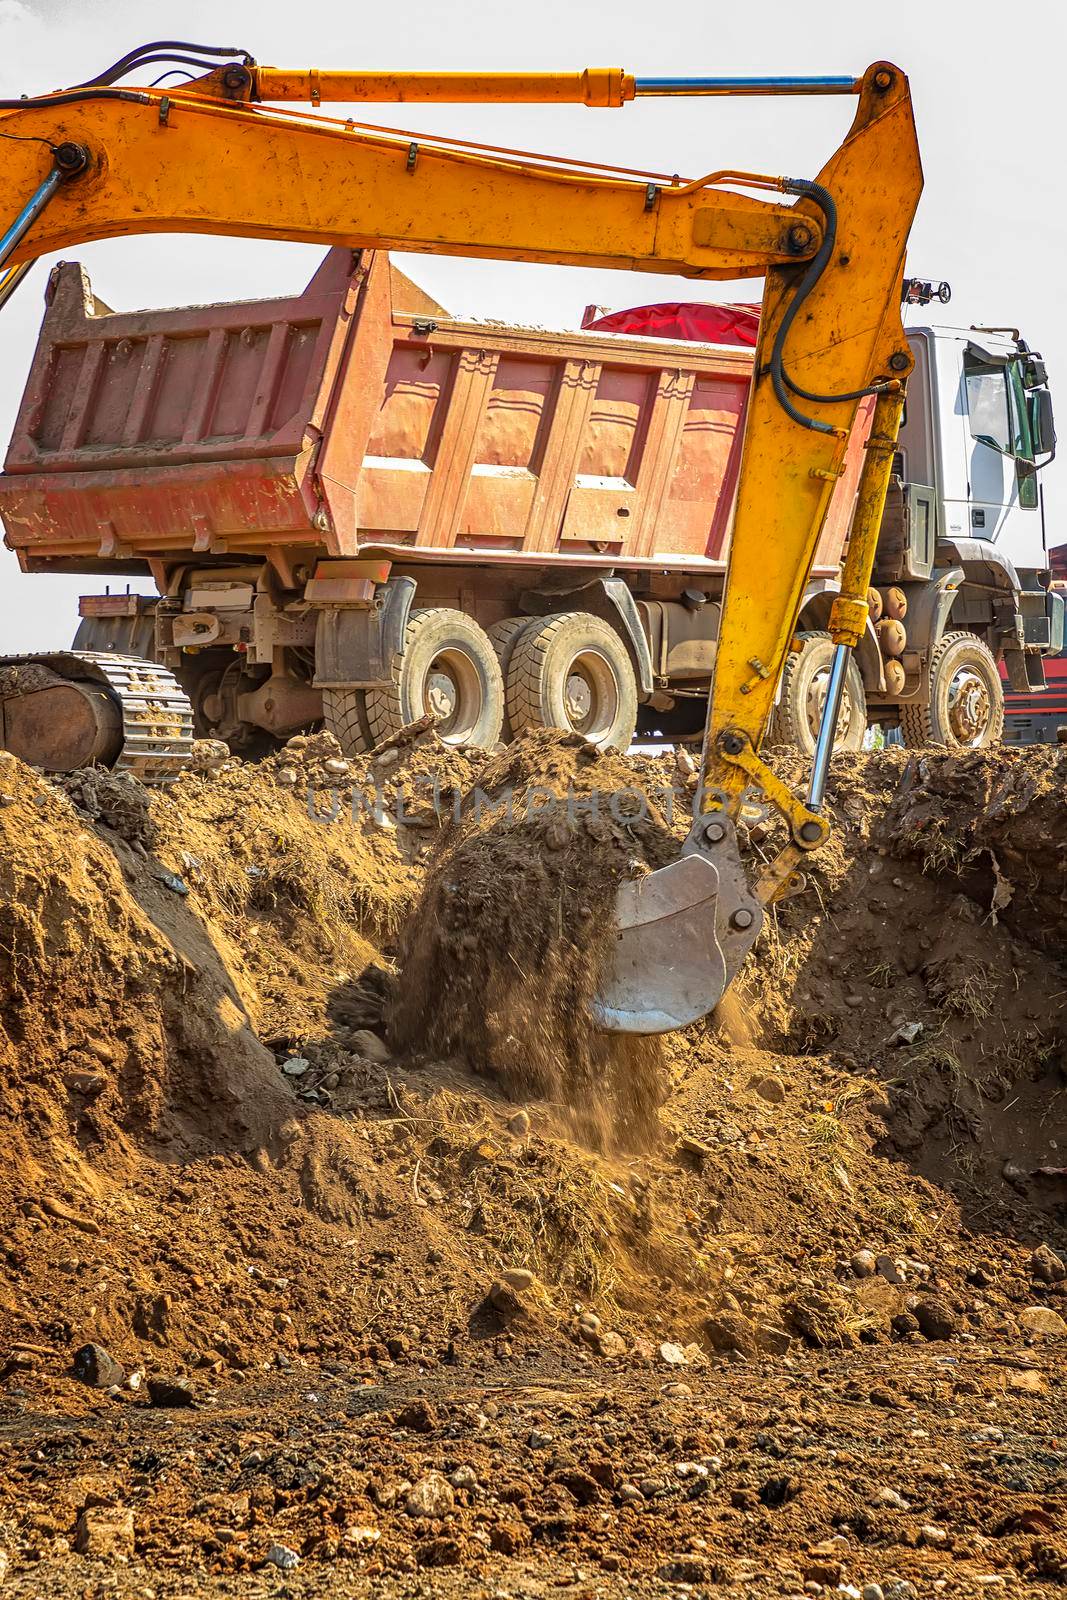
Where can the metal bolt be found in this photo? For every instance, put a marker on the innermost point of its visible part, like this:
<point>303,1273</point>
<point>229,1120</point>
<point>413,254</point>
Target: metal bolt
<point>742,919</point>
<point>900,360</point>
<point>236,78</point>
<point>732,744</point>
<point>71,158</point>
<point>811,832</point>
<point>883,80</point>
<point>714,831</point>
<point>799,238</point>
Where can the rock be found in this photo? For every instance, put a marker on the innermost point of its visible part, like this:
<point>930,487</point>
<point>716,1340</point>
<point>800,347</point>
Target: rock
<point>771,1340</point>
<point>872,1591</point>
<point>336,766</point>
<point>369,1046</point>
<point>464,1478</point>
<point>932,1535</point>
<point>729,1330</point>
<point>287,777</point>
<point>907,1033</point>
<point>432,1496</point>
<point>97,1367</point>
<point>519,1124</point>
<point>889,1269</point>
<point>889,1498</point>
<point>296,1066</point>
<point>900,1589</point>
<point>630,1494</point>
<point>589,1327</point>
<point>864,1263</point>
<point>673,1355</point>
<point>105,1531</point>
<point>652,1488</point>
<point>538,1440</point>
<point>1046,1266</point>
<point>768,1088</point>
<point>171,1392</point>
<point>208,755</point>
<point>280,1555</point>
<point>676,1391</point>
<point>611,1345</point>
<point>684,1569</point>
<point>518,1278</point>
<point>904,1323</point>
<point>362,1535</point>
<point>936,1319</point>
<point>503,1298</point>
<point>1040,1319</point>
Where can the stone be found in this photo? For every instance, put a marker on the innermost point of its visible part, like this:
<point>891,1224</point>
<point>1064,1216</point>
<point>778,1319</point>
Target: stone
<point>464,1478</point>
<point>730,1330</point>
<point>438,1552</point>
<point>611,1345</point>
<point>287,777</point>
<point>503,1298</point>
<point>171,1392</point>
<point>432,1497</point>
<point>519,1124</point>
<point>676,1391</point>
<point>369,1046</point>
<point>1046,1266</point>
<point>864,1263</point>
<point>889,1269</point>
<point>771,1340</point>
<point>97,1367</point>
<point>930,1534</point>
<point>904,1323</point>
<point>652,1488</point>
<point>768,1088</point>
<point>1040,1319</point>
<point>889,1498</point>
<point>630,1494</point>
<point>519,1278</point>
<point>907,1033</point>
<point>280,1555</point>
<point>872,1591</point>
<point>336,766</point>
<point>673,1354</point>
<point>936,1319</point>
<point>900,1589</point>
<point>105,1531</point>
<point>296,1066</point>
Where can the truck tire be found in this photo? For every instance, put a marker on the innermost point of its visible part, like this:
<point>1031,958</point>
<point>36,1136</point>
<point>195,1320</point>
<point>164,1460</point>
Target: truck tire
<point>344,714</point>
<point>448,666</point>
<point>805,678</point>
<point>504,636</point>
<point>966,708</point>
<point>573,672</point>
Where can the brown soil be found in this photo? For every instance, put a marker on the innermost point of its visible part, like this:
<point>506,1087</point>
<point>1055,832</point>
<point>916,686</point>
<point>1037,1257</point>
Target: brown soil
<point>172,1194</point>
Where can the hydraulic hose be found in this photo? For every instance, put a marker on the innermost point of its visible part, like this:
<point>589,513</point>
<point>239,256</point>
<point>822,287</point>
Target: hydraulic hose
<point>813,272</point>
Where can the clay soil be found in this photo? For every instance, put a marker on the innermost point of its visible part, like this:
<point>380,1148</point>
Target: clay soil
<point>469,1300</point>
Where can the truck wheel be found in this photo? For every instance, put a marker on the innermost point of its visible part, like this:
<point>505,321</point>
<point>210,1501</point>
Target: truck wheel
<point>447,667</point>
<point>805,680</point>
<point>574,672</point>
<point>344,714</point>
<point>966,709</point>
<point>504,636</point>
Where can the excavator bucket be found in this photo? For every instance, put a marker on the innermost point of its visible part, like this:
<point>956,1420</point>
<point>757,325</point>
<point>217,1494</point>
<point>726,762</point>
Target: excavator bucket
<point>681,935</point>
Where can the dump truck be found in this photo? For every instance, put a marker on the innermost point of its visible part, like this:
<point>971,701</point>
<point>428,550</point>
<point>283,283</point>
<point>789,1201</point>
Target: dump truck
<point>358,508</point>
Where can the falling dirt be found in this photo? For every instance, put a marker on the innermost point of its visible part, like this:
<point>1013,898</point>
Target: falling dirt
<point>279,1123</point>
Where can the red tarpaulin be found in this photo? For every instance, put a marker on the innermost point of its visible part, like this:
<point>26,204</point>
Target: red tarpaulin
<point>705,324</point>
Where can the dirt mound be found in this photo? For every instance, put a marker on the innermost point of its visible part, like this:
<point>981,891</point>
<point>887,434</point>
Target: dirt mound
<point>212,1160</point>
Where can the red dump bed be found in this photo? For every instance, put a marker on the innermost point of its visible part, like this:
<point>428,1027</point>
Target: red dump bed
<point>358,417</point>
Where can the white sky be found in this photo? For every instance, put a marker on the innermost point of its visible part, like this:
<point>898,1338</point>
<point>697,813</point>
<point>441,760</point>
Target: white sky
<point>987,83</point>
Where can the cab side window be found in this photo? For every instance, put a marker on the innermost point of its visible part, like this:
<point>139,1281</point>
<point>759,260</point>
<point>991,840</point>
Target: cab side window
<point>987,406</point>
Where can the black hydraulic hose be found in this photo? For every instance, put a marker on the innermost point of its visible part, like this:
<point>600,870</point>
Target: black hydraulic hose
<point>72,96</point>
<point>135,58</point>
<point>813,272</point>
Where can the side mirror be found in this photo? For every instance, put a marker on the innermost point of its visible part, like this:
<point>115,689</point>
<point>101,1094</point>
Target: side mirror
<point>1042,421</point>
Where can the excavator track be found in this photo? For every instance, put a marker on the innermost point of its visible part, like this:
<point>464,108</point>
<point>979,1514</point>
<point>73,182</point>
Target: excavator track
<point>68,708</point>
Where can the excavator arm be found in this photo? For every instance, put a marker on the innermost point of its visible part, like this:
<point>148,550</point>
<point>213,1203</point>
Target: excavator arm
<point>101,160</point>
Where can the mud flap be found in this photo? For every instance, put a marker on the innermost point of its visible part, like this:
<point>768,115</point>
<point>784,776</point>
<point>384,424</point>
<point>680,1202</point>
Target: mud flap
<point>682,934</point>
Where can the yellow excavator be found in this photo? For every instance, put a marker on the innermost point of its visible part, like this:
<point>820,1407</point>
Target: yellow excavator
<point>216,154</point>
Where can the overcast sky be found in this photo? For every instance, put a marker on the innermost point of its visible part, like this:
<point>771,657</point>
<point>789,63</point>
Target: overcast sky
<point>988,90</point>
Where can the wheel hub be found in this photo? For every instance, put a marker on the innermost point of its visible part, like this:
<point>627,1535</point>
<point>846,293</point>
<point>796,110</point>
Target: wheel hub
<point>579,698</point>
<point>969,708</point>
<point>441,695</point>
<point>453,693</point>
<point>817,692</point>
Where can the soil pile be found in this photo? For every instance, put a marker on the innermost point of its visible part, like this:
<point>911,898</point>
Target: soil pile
<point>215,1162</point>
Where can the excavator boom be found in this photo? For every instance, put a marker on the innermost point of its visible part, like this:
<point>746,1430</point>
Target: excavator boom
<point>209,156</point>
